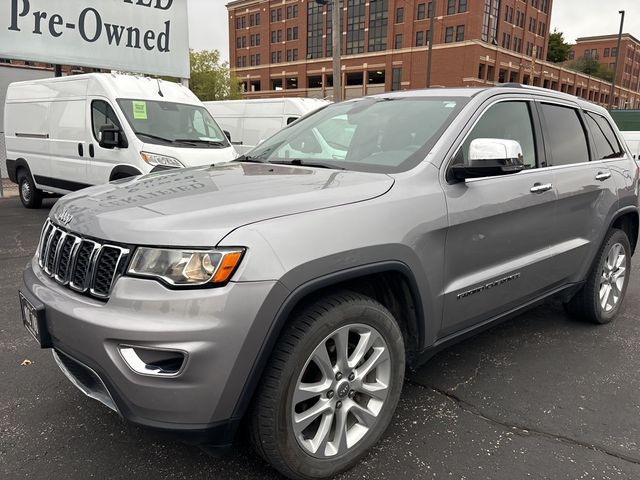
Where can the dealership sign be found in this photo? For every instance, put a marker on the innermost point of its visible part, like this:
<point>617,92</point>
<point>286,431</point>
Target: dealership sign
<point>143,36</point>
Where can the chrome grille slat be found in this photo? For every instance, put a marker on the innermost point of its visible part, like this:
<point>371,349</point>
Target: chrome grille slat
<point>84,265</point>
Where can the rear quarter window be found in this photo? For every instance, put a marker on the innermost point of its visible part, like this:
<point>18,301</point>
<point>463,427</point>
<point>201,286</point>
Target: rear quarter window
<point>604,137</point>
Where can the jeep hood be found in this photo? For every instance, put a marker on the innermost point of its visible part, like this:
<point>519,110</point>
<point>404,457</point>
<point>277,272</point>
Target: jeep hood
<point>198,207</point>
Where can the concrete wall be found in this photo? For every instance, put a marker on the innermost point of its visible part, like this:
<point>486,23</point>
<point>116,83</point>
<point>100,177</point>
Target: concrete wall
<point>9,75</point>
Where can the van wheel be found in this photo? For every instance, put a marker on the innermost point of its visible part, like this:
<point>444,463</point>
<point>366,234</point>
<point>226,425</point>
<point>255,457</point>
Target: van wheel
<point>331,387</point>
<point>30,196</point>
<point>601,297</point>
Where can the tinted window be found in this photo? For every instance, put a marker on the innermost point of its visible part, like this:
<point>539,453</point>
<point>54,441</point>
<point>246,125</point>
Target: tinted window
<point>102,114</point>
<point>604,138</point>
<point>506,121</point>
<point>565,135</point>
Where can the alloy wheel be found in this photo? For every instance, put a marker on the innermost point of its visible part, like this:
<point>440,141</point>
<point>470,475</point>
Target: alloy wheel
<point>612,278</point>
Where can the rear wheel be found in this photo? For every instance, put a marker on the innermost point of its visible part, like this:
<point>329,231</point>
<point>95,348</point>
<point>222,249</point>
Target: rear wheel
<point>30,196</point>
<point>601,297</point>
<point>331,387</point>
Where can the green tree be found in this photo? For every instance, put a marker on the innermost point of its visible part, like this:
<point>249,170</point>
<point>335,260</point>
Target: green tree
<point>558,48</point>
<point>211,78</point>
<point>592,67</point>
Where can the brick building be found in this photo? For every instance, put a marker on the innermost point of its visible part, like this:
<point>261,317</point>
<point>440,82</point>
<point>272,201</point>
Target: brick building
<point>283,47</point>
<point>604,49</point>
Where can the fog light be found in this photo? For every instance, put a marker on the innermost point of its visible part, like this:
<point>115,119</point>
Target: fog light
<point>153,362</point>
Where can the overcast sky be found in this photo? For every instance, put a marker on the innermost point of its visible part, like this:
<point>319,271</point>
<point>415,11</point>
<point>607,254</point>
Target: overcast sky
<point>576,18</point>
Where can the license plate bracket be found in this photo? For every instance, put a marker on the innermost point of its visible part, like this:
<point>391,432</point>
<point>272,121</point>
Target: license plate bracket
<point>34,320</point>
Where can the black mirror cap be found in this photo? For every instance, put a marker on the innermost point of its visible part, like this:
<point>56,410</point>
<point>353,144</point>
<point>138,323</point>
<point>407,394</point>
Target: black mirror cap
<point>112,137</point>
<point>227,134</point>
<point>487,168</point>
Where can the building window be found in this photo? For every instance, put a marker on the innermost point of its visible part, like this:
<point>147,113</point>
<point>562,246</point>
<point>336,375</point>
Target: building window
<point>606,52</point>
<point>253,60</point>
<point>273,15</point>
<point>314,81</point>
<point>257,59</point>
<point>614,52</point>
<point>376,77</point>
<point>400,15</point>
<point>430,10</point>
<point>397,44</point>
<point>451,7</point>
<point>314,29</point>
<point>490,21</point>
<point>419,38</point>
<point>378,19</point>
<point>238,23</point>
<point>257,39</point>
<point>253,41</point>
<point>292,11</point>
<point>396,79</point>
<point>252,20</point>
<point>460,33</point>
<point>273,36</point>
<point>481,71</point>
<point>572,55</point>
<point>273,57</point>
<point>355,26</point>
<point>292,33</point>
<point>422,11</point>
<point>462,7</point>
<point>276,84</point>
<point>292,83</point>
<point>238,42</point>
<point>244,42</point>
<point>448,35</point>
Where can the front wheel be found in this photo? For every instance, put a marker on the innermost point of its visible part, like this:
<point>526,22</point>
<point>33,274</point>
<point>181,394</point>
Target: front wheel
<point>601,297</point>
<point>30,196</point>
<point>331,387</point>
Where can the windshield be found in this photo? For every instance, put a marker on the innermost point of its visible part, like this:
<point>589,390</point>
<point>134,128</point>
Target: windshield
<point>175,124</point>
<point>372,134</point>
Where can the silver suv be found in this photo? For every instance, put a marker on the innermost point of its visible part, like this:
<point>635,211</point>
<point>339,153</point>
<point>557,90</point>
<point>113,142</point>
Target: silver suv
<point>292,288</point>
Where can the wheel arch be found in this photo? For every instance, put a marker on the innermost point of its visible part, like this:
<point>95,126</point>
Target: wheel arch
<point>122,171</point>
<point>20,163</point>
<point>373,280</point>
<point>628,221</point>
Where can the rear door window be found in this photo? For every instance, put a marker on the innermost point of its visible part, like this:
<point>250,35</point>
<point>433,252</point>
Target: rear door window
<point>604,138</point>
<point>565,135</point>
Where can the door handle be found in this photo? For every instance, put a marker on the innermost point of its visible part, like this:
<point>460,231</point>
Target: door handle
<point>92,152</point>
<point>541,188</point>
<point>602,176</point>
<point>80,150</point>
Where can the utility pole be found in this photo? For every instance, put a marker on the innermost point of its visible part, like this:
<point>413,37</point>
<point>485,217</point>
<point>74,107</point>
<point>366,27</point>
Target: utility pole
<point>337,47</point>
<point>336,43</point>
<point>615,69</point>
<point>432,23</point>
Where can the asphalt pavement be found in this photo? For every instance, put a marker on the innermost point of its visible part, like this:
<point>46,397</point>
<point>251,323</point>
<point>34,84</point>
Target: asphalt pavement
<point>540,396</point>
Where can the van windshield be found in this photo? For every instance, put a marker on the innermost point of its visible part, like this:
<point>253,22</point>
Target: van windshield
<point>176,124</point>
<point>375,134</point>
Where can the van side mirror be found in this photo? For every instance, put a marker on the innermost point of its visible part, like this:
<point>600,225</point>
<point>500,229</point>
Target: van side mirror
<point>227,134</point>
<point>111,137</point>
<point>490,157</point>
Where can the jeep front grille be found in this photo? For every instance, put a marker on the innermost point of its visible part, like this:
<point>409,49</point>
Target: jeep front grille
<point>84,265</point>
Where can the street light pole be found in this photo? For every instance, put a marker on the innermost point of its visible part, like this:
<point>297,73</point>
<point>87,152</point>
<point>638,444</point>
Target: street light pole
<point>615,68</point>
<point>337,47</point>
<point>432,23</point>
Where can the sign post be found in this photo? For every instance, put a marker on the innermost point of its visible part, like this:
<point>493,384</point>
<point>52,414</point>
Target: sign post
<point>139,36</point>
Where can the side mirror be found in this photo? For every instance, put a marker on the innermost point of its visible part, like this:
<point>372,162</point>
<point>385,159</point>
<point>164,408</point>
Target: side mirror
<point>490,157</point>
<point>111,137</point>
<point>227,134</point>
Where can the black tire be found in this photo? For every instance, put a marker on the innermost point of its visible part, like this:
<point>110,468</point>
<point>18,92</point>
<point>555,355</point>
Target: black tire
<point>30,196</point>
<point>271,421</point>
<point>586,304</point>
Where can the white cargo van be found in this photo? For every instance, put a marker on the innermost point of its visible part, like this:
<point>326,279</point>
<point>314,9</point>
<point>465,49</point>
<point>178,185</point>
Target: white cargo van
<point>68,133</point>
<point>251,121</point>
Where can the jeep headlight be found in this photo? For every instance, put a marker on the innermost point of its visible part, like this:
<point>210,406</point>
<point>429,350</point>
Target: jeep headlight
<point>157,160</point>
<point>182,268</point>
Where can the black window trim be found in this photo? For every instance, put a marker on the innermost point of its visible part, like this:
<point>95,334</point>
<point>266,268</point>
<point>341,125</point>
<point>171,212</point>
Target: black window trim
<point>93,130</point>
<point>538,137</point>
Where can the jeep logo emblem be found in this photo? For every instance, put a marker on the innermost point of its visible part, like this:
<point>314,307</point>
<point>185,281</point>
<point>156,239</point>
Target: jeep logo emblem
<point>64,217</point>
<point>343,389</point>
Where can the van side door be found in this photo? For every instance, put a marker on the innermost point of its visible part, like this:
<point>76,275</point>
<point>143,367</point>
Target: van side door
<point>67,145</point>
<point>102,161</point>
<point>497,246</point>
<point>587,194</point>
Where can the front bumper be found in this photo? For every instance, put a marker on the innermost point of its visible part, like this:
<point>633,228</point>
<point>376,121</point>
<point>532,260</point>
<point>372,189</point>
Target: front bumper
<point>210,325</point>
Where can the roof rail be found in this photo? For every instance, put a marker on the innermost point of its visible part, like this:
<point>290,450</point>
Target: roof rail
<point>511,85</point>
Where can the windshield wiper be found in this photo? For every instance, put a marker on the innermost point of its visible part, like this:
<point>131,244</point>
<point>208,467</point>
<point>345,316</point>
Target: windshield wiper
<point>155,137</point>
<point>213,143</point>
<point>249,159</point>
<point>303,163</point>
